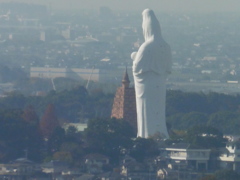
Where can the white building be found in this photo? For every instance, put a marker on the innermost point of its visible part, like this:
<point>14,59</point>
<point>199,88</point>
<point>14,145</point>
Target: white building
<point>74,73</point>
<point>96,75</point>
<point>230,156</point>
<point>78,126</point>
<point>182,155</point>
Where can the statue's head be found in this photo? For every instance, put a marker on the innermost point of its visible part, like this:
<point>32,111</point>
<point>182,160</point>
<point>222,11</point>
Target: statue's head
<point>150,25</point>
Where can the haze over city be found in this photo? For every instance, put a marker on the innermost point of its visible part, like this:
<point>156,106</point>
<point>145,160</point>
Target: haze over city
<point>69,91</point>
<point>158,5</point>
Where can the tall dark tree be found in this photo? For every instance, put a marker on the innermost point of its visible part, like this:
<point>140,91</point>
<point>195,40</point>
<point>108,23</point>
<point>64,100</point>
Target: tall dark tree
<point>49,122</point>
<point>5,74</point>
<point>108,136</point>
<point>12,133</point>
<point>55,140</point>
<point>18,136</point>
<point>143,148</point>
<point>34,141</point>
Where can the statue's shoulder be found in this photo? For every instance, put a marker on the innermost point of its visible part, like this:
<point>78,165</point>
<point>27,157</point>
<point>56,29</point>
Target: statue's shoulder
<point>146,46</point>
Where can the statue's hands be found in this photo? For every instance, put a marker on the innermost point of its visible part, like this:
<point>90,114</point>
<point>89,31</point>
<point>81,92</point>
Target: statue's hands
<point>133,55</point>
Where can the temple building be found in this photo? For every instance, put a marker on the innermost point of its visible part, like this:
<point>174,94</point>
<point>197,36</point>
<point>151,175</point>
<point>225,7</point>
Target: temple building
<point>124,104</point>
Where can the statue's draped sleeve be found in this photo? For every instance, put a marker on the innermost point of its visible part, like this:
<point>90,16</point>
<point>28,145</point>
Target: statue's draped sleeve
<point>153,56</point>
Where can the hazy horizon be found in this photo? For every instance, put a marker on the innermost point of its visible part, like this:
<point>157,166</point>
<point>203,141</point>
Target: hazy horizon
<point>158,5</point>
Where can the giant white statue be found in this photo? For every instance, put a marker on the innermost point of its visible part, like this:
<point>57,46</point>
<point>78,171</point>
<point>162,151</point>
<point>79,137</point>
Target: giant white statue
<point>151,65</point>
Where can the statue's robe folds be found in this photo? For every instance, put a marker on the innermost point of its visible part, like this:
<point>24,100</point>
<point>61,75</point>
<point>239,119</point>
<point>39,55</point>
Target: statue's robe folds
<point>151,65</point>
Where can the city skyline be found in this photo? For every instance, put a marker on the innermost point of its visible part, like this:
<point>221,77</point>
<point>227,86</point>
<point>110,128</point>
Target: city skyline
<point>158,5</point>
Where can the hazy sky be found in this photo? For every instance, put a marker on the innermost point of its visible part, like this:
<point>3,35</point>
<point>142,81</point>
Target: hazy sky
<point>162,5</point>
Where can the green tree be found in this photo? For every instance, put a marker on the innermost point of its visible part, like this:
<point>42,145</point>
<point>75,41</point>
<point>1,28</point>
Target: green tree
<point>205,137</point>
<point>75,149</point>
<point>193,119</point>
<point>30,115</point>
<point>19,136</point>
<point>185,102</point>
<point>143,148</point>
<point>14,100</point>
<point>63,156</point>
<point>55,140</point>
<point>108,136</point>
<point>12,133</point>
<point>72,135</point>
<point>185,121</point>
<point>222,102</point>
<point>34,142</point>
<point>5,74</point>
<point>226,121</point>
<point>227,174</point>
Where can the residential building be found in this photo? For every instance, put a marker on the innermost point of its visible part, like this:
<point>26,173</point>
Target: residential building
<point>182,155</point>
<point>95,163</point>
<point>19,169</point>
<point>229,157</point>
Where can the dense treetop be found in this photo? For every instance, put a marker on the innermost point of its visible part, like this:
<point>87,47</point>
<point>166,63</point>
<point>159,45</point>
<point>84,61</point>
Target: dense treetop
<point>25,121</point>
<point>185,110</point>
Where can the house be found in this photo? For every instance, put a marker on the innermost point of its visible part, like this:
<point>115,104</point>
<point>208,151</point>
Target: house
<point>20,168</point>
<point>230,156</point>
<point>182,156</point>
<point>231,138</point>
<point>111,176</point>
<point>137,170</point>
<point>55,168</point>
<point>72,173</point>
<point>127,159</point>
<point>95,163</point>
<point>166,173</point>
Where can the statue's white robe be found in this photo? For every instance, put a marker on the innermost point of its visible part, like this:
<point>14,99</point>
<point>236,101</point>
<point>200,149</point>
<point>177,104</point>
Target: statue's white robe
<point>151,65</point>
